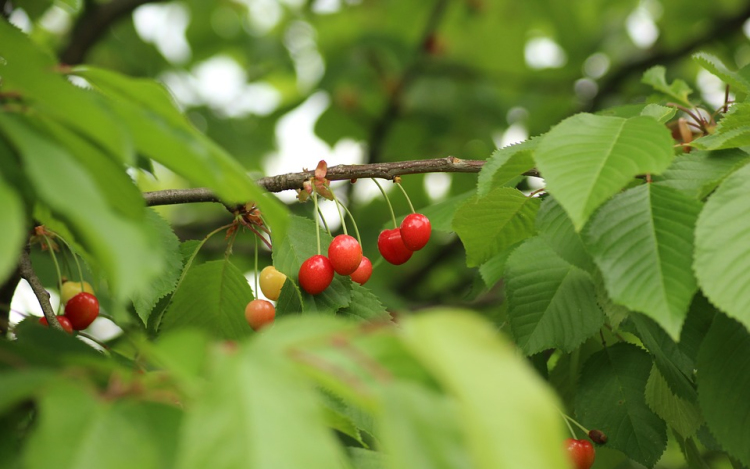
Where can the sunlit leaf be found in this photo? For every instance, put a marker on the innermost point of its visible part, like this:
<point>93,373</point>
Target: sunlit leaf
<point>642,240</point>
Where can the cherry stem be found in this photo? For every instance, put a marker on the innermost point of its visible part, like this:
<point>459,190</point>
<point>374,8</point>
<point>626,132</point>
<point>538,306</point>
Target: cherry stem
<point>565,419</point>
<point>356,229</point>
<point>325,223</point>
<point>533,193</point>
<point>256,267</point>
<point>338,209</point>
<point>317,223</point>
<point>75,258</point>
<point>57,266</point>
<point>697,117</point>
<point>406,195</point>
<point>388,201</point>
<point>568,418</point>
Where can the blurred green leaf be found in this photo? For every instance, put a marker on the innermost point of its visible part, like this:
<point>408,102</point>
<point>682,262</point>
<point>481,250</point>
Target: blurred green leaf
<point>420,428</point>
<point>509,417</point>
<point>124,249</point>
<point>273,420</point>
<point>14,223</point>
<point>77,430</point>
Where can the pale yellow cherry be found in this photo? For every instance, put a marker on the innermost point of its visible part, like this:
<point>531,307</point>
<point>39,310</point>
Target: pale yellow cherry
<point>71,289</point>
<point>271,281</point>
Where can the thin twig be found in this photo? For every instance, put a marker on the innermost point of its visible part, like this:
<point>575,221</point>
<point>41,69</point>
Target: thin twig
<point>291,181</point>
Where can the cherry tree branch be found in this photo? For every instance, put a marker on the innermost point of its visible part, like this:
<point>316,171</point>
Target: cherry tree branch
<point>292,181</point>
<point>93,24</point>
<point>28,274</point>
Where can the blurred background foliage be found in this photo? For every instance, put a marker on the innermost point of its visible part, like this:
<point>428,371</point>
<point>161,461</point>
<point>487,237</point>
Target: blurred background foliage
<point>282,84</point>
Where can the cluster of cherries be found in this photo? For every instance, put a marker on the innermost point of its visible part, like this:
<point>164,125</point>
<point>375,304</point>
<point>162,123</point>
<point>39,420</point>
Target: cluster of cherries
<point>81,307</point>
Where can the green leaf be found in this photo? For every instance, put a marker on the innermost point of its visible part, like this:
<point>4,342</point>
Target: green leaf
<point>723,381</point>
<point>420,428</point>
<point>212,297</point>
<point>615,313</point>
<point>145,300</point>
<point>551,303</point>
<point>611,398</point>
<point>124,249</point>
<point>163,134</point>
<point>113,182</point>
<point>290,300</point>
<point>13,221</point>
<point>699,172</point>
<point>662,114</point>
<point>441,214</point>
<point>493,223</point>
<point>586,159</point>
<point>555,227</point>
<point>365,305</point>
<point>367,459</point>
<point>678,90</point>
<point>506,164</point>
<point>682,415</point>
<point>255,411</point>
<point>721,247</point>
<point>674,366</point>
<point>717,68</point>
<point>510,418</point>
<point>642,240</point>
<point>733,130</point>
<point>299,245</point>
<point>697,323</point>
<point>494,269</point>
<point>33,74</point>
<point>77,430</point>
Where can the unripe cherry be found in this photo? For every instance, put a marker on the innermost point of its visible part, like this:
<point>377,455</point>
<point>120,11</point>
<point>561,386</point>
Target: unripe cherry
<point>260,313</point>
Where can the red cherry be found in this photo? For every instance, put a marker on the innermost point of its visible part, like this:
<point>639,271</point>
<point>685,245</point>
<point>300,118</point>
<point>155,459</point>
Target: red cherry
<point>363,272</point>
<point>345,254</point>
<point>392,247</point>
<point>64,322</point>
<point>259,313</point>
<point>81,310</point>
<point>315,274</point>
<point>581,452</point>
<point>415,231</point>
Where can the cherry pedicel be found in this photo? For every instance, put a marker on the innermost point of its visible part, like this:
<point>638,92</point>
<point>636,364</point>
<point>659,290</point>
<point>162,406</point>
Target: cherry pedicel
<point>415,231</point>
<point>392,247</point>
<point>363,272</point>
<point>581,452</point>
<point>345,254</point>
<point>315,274</point>
<point>81,310</point>
<point>259,313</point>
<point>64,322</point>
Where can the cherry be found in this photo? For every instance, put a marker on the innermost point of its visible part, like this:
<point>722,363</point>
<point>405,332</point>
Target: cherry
<point>71,289</point>
<point>581,452</point>
<point>64,322</point>
<point>392,247</point>
<point>363,272</point>
<point>415,231</point>
<point>345,254</point>
<point>81,310</point>
<point>259,313</point>
<point>271,281</point>
<point>315,274</point>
